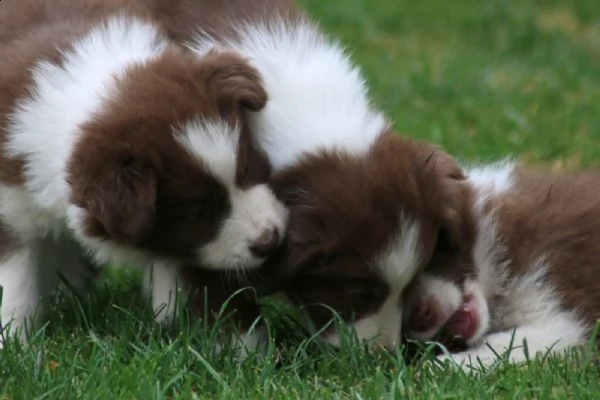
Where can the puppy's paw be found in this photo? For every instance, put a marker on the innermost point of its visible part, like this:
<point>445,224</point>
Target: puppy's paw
<point>255,341</point>
<point>244,344</point>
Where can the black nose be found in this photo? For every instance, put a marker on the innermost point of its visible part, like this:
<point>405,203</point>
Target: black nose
<point>266,243</point>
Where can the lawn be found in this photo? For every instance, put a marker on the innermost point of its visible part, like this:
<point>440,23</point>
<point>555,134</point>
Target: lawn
<point>484,79</point>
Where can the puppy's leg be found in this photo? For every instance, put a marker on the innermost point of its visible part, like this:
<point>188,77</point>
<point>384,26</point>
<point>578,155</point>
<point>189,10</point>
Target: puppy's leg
<point>23,286</point>
<point>553,335</point>
<point>251,340</point>
<point>68,258</point>
<point>29,274</point>
<point>162,283</point>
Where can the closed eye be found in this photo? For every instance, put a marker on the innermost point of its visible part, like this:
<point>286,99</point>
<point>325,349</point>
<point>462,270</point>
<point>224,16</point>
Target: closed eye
<point>368,293</point>
<point>199,211</point>
<point>195,211</point>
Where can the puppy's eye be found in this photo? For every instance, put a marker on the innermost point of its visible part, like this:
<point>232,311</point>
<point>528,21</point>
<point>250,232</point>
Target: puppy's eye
<point>197,211</point>
<point>443,241</point>
<point>369,293</point>
<point>361,296</point>
<point>326,260</point>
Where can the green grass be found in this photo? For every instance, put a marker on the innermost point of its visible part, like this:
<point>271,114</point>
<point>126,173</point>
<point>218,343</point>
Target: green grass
<point>484,79</point>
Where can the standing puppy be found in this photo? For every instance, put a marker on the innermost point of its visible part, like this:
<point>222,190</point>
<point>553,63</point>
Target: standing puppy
<point>526,279</point>
<point>113,139</point>
<point>365,205</point>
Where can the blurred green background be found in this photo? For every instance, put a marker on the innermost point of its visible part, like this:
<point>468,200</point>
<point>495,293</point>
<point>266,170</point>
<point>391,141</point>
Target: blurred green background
<point>485,79</point>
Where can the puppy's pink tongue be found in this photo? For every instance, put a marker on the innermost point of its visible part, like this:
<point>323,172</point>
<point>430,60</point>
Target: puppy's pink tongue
<point>463,324</point>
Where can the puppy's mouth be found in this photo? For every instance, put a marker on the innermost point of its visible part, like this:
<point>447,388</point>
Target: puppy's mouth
<point>462,325</point>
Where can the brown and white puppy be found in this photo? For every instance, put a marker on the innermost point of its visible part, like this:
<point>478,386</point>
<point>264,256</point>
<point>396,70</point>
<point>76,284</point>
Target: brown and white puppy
<point>365,205</point>
<point>527,277</point>
<point>360,229</point>
<point>116,140</point>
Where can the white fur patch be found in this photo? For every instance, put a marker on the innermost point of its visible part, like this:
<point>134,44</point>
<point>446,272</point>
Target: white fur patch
<point>26,219</point>
<point>399,265</point>
<point>253,211</point>
<point>401,260</point>
<point>525,299</point>
<point>492,179</point>
<point>21,291</point>
<point>215,146</point>
<point>317,98</point>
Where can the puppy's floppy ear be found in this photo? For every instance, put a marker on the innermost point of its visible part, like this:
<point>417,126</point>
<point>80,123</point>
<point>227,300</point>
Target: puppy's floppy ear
<point>233,81</point>
<point>444,182</point>
<point>299,249</point>
<point>119,194</point>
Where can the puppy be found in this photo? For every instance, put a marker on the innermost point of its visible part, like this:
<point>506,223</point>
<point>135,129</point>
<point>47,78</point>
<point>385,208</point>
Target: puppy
<point>115,140</point>
<point>365,206</point>
<point>524,284</point>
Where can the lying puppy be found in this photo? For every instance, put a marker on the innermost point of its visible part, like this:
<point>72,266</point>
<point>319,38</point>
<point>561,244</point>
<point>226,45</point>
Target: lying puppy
<point>365,205</point>
<point>115,140</point>
<point>526,278</point>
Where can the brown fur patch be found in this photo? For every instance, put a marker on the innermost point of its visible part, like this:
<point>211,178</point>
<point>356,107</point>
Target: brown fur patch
<point>182,18</point>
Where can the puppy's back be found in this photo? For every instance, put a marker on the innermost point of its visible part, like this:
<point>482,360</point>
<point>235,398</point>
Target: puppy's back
<point>555,219</point>
<point>18,18</point>
<point>183,18</point>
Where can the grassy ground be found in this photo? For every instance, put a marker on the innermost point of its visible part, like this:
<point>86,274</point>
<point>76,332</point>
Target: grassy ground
<point>483,78</point>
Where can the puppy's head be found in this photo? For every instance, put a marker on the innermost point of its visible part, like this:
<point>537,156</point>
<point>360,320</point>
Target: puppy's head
<point>360,227</point>
<point>167,166</point>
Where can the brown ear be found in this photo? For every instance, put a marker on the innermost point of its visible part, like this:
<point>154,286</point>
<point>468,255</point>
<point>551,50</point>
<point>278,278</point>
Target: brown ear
<point>444,181</point>
<point>122,199</point>
<point>455,212</point>
<point>234,82</point>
